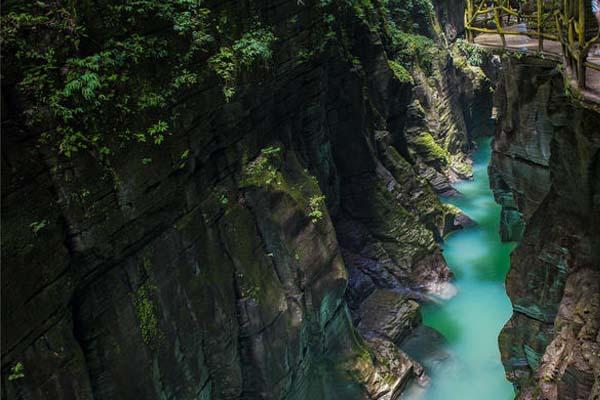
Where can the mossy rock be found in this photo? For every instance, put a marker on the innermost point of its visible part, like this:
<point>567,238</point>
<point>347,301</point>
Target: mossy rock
<point>400,72</point>
<point>426,146</point>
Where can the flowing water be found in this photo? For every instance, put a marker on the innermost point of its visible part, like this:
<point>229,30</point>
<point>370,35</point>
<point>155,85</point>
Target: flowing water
<point>468,365</point>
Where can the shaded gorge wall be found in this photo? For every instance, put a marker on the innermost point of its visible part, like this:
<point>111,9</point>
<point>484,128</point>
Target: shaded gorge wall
<point>546,173</point>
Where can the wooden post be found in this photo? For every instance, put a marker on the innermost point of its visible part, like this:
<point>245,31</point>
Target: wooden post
<point>540,10</point>
<point>559,19</point>
<point>569,14</point>
<point>468,18</point>
<point>581,23</point>
<point>499,27</point>
<point>581,54</point>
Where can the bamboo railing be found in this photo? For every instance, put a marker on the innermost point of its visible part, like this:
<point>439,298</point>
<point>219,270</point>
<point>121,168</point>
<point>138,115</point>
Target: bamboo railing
<point>567,23</point>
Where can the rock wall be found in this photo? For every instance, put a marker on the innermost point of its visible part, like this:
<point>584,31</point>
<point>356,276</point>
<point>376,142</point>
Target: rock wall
<point>452,17</point>
<point>546,171</point>
<point>520,168</point>
<point>217,270</point>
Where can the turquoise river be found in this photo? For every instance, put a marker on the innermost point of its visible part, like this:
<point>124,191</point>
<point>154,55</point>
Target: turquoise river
<point>471,320</point>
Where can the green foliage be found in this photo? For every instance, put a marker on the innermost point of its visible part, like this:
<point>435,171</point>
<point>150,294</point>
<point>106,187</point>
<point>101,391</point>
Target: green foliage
<point>400,72</point>
<point>17,371</point>
<point>81,195</point>
<point>518,54</point>
<point>412,16</point>
<point>157,131</point>
<point>37,226</point>
<point>223,199</point>
<point>229,61</point>
<point>474,55</point>
<point>253,45</point>
<point>315,205</point>
<point>96,78</point>
<point>415,50</point>
<point>263,171</point>
<point>362,8</point>
<point>252,292</point>
<point>224,65</point>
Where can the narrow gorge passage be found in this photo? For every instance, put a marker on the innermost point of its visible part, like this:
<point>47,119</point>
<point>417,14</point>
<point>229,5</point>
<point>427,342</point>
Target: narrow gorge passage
<point>469,367</point>
<point>256,200</point>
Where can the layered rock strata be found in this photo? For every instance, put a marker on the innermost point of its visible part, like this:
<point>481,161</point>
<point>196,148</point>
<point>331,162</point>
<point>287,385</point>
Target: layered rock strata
<point>545,167</point>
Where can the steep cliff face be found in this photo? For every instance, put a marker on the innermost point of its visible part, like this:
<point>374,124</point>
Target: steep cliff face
<point>215,265</point>
<point>545,164</point>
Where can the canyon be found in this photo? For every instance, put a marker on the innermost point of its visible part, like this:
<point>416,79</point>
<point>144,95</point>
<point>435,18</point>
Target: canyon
<point>283,237</point>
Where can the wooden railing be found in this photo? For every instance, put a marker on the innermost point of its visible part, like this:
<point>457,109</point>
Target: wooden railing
<point>566,23</point>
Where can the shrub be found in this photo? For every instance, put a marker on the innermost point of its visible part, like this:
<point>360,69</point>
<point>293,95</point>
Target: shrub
<point>38,226</point>
<point>414,16</point>
<point>314,208</point>
<point>263,170</point>
<point>229,61</point>
<point>474,55</point>
<point>17,372</point>
<point>415,49</point>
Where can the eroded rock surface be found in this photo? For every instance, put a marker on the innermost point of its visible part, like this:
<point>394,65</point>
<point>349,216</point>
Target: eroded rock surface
<point>545,168</point>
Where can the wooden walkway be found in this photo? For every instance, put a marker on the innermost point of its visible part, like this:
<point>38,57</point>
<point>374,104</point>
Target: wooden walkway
<point>552,50</point>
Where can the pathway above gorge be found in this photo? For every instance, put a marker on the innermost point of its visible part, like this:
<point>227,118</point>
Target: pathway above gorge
<point>552,50</point>
<point>567,34</point>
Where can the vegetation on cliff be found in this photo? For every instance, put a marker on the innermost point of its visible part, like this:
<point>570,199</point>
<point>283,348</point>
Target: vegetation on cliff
<point>100,78</point>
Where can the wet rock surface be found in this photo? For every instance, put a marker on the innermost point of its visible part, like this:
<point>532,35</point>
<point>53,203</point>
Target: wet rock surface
<point>427,346</point>
<point>388,314</point>
<point>545,169</point>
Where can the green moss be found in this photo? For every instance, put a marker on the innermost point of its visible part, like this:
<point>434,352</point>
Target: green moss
<point>426,203</point>
<point>459,165</point>
<point>400,72</point>
<point>265,172</point>
<point>469,59</point>
<point>146,312</point>
<point>451,209</point>
<point>253,268</point>
<point>426,145</point>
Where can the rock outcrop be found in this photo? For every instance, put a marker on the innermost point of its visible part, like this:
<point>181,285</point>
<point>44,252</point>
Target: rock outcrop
<point>545,167</point>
